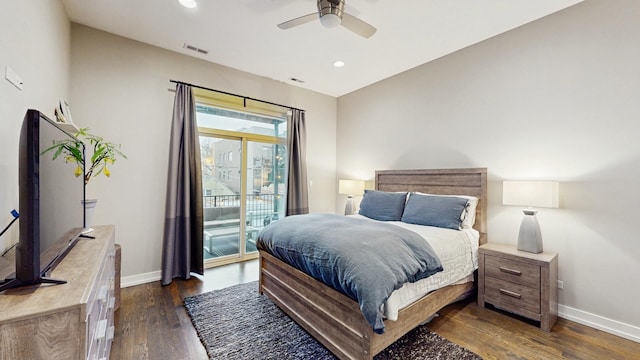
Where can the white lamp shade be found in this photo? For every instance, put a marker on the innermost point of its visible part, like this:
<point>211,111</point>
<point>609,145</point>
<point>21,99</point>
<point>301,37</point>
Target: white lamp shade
<point>531,193</point>
<point>351,187</point>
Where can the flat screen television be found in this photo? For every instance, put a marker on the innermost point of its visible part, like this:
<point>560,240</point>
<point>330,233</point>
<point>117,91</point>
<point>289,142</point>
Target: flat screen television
<point>50,201</point>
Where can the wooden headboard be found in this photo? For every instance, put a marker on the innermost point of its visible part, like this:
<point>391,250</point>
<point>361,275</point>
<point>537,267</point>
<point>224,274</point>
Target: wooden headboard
<point>471,181</point>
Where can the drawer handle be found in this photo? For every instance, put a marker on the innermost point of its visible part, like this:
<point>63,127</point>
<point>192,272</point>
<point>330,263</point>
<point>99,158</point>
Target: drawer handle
<point>510,293</point>
<point>101,331</point>
<point>510,271</point>
<point>110,333</point>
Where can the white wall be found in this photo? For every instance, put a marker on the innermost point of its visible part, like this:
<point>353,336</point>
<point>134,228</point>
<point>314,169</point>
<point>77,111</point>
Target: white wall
<point>554,99</point>
<point>119,89</point>
<point>34,42</point>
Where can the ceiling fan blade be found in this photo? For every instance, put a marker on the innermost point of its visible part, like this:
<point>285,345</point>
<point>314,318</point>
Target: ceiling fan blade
<point>357,26</point>
<point>298,21</point>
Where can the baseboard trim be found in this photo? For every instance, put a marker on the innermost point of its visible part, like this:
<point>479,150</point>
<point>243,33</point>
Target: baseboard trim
<point>614,327</point>
<point>140,279</point>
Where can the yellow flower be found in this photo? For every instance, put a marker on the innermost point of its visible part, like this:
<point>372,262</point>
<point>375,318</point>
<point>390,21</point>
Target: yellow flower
<point>78,171</point>
<point>106,171</point>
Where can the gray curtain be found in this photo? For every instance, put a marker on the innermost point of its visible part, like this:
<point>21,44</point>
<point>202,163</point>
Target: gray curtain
<point>182,250</point>
<point>297,191</point>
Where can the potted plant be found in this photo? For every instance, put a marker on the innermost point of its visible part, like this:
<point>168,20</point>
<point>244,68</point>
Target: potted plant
<point>104,153</point>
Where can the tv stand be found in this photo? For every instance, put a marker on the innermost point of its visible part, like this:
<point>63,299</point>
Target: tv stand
<point>14,283</point>
<point>73,320</point>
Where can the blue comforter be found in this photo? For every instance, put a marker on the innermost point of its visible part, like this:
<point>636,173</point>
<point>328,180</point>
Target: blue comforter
<point>364,259</point>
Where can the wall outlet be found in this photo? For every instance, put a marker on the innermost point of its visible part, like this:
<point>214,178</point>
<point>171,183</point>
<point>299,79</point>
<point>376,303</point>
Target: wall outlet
<point>560,284</point>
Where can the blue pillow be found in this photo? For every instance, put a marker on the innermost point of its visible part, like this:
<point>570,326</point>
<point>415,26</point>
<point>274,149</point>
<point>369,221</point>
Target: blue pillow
<point>382,205</point>
<point>441,211</point>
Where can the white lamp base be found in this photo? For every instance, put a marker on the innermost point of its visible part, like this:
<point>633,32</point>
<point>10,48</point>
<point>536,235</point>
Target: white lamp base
<point>529,238</point>
<point>349,208</point>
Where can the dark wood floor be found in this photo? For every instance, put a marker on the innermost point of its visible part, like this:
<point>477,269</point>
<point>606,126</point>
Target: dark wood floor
<point>153,324</point>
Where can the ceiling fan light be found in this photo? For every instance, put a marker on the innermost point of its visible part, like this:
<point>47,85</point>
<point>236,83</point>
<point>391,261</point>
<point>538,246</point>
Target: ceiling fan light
<point>330,20</point>
<point>190,4</point>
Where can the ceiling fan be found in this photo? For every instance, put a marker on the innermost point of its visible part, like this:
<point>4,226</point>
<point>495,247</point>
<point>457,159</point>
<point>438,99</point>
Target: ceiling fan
<point>331,14</point>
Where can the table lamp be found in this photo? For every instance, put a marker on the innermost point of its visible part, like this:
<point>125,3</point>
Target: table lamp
<point>350,188</point>
<point>531,194</point>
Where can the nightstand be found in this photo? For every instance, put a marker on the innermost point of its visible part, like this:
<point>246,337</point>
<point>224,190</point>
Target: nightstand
<point>519,282</point>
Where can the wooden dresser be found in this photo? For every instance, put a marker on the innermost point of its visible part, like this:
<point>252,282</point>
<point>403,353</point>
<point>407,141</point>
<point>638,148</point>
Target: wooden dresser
<point>519,282</point>
<point>68,321</point>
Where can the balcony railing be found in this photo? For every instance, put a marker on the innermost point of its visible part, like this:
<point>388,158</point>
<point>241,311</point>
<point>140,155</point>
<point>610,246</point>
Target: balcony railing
<point>261,209</point>
<point>222,222</point>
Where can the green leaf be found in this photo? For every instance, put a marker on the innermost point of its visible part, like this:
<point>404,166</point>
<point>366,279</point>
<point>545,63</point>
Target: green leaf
<point>72,150</point>
<point>97,153</point>
<point>76,153</point>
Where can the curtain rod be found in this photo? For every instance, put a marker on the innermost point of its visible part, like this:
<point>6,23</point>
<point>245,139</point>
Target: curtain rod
<point>245,98</point>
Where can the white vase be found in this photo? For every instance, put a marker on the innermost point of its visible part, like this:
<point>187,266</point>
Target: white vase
<point>89,209</point>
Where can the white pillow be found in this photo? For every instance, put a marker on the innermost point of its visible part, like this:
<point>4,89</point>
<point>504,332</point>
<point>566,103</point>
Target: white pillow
<point>468,216</point>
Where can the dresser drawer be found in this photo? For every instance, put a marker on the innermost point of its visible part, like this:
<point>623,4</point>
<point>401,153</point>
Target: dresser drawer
<point>513,271</point>
<point>510,296</point>
<point>101,310</point>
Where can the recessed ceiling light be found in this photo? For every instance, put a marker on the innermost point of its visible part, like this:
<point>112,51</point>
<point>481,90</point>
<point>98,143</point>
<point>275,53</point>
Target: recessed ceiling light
<point>188,3</point>
<point>338,63</point>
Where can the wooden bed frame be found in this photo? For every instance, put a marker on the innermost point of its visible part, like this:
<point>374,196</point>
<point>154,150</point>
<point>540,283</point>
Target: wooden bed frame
<point>334,319</point>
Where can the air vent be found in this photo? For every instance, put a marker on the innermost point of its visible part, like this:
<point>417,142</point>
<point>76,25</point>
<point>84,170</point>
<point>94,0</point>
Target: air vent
<point>196,49</point>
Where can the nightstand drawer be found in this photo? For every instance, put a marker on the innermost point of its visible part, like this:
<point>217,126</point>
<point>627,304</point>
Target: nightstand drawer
<point>512,297</point>
<point>513,271</point>
<point>519,282</point>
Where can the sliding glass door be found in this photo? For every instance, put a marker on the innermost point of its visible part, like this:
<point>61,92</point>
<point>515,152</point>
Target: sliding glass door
<point>266,188</point>
<point>243,181</point>
<point>221,187</point>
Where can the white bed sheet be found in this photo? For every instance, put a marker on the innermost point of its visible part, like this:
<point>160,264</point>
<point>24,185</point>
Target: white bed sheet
<point>458,253</point>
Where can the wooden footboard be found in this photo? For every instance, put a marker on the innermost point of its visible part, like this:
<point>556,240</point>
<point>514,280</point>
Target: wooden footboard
<point>334,319</point>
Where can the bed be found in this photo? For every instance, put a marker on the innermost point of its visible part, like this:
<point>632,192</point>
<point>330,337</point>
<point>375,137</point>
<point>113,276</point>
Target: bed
<point>334,319</point>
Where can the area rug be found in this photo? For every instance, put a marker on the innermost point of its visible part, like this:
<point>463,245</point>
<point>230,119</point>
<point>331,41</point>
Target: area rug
<point>237,323</point>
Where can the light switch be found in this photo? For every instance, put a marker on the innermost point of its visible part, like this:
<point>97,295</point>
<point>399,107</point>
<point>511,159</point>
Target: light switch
<point>13,78</point>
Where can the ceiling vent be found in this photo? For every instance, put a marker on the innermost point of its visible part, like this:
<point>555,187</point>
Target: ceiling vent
<point>196,49</point>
